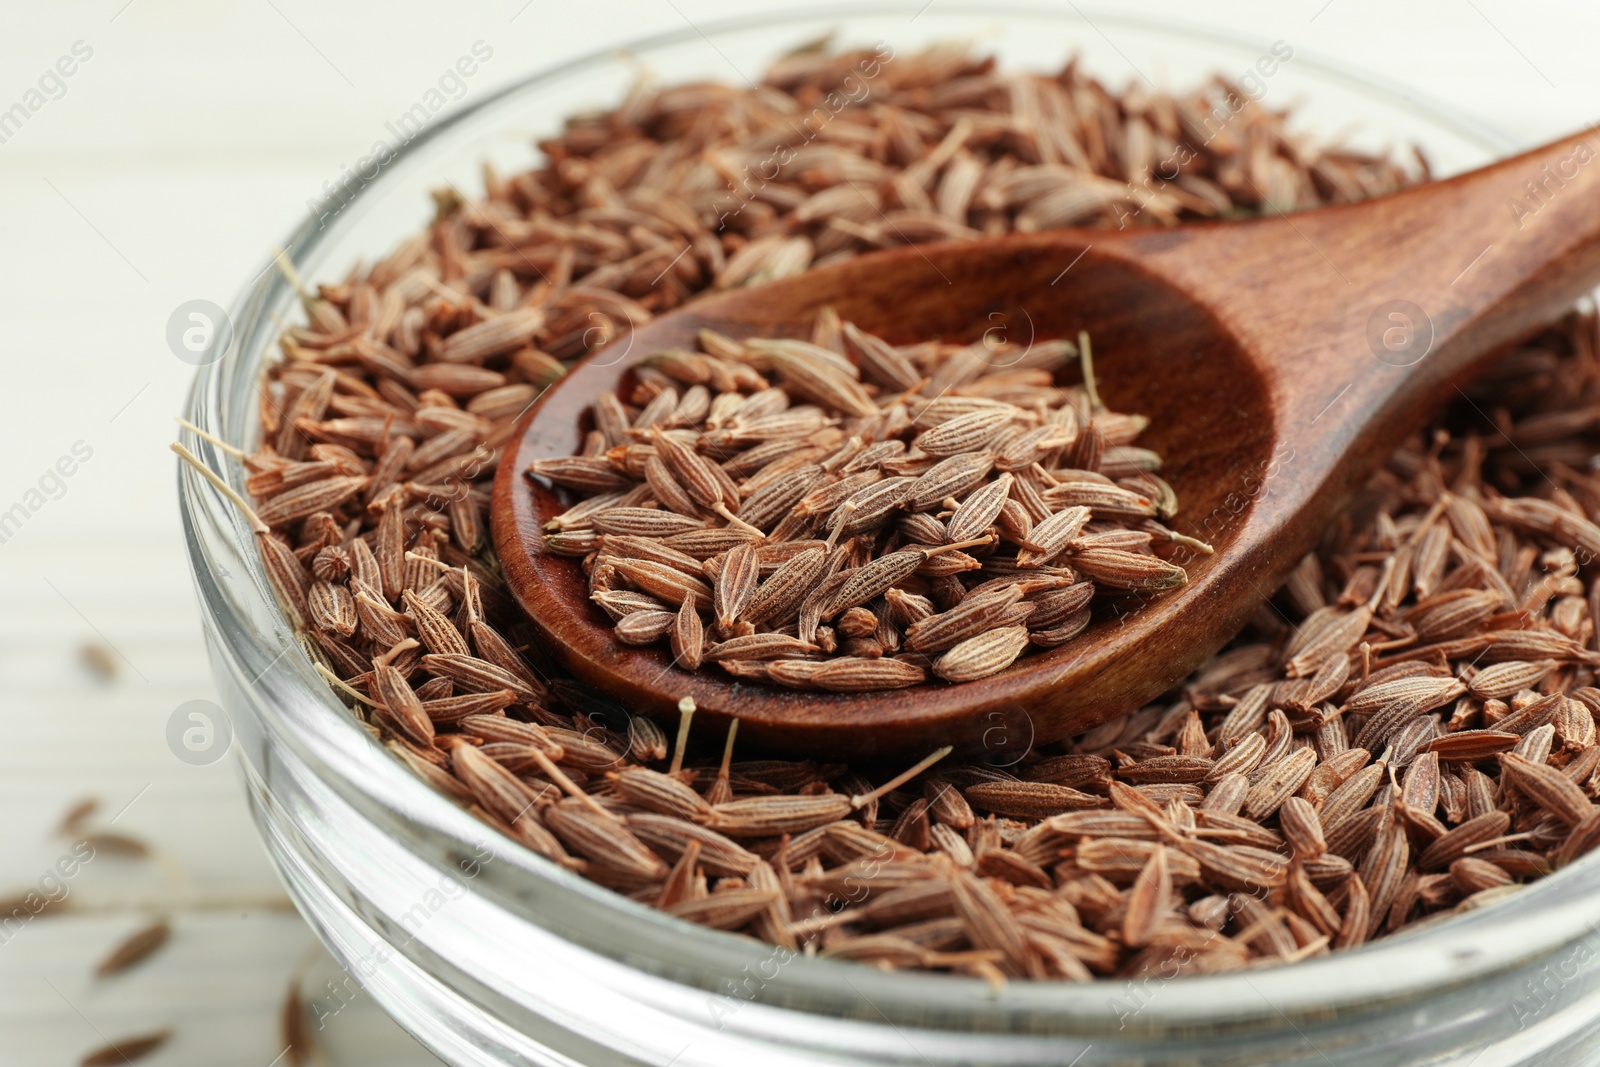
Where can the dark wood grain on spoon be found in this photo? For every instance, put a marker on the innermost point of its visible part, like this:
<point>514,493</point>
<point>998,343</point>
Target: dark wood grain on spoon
<point>1280,361</point>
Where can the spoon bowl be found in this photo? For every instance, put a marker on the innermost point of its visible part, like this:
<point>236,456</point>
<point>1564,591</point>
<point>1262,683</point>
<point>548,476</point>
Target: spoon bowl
<point>1279,361</point>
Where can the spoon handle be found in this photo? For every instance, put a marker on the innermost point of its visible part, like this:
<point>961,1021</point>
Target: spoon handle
<point>1361,319</point>
<point>1372,311</point>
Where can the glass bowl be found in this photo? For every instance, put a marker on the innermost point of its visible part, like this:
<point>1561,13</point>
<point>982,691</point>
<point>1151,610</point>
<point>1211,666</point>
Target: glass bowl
<point>488,954</point>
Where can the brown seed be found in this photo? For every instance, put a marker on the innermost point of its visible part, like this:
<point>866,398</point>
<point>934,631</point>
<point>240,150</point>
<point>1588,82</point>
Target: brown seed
<point>1473,745</point>
<point>667,583</point>
<point>965,433</point>
<point>72,823</point>
<point>116,844</point>
<point>951,476</point>
<point>989,923</point>
<point>645,627</point>
<point>865,582</point>
<point>670,836</point>
<point>1028,799</point>
<point>1583,837</point>
<point>580,472</point>
<point>1357,915</point>
<point>304,500</point>
<point>757,647</point>
<point>496,788</point>
<point>437,632</point>
<point>666,488</point>
<point>1505,679</point>
<point>769,816</point>
<point>1127,570</point>
<point>727,910</point>
<point>400,701</point>
<point>699,478</point>
<point>1239,867</point>
<point>1167,770</point>
<point>688,636</point>
<point>1472,875</point>
<point>377,620</point>
<point>127,1049</point>
<point>606,841</point>
<point>455,708</point>
<point>660,793</point>
<point>136,949</point>
<point>979,510</point>
<point>1301,828</point>
<point>682,883</point>
<point>1121,859</point>
<point>736,584</point>
<point>1277,783</point>
<point>1147,900</point>
<point>332,608</point>
<point>644,522</point>
<point>868,507</point>
<point>855,675</point>
<point>1352,794</point>
<point>490,727</point>
<point>979,657</point>
<point>806,371</point>
<point>492,337</point>
<point>1546,787</point>
<point>297,1040</point>
<point>1327,632</point>
<point>1385,869</point>
<point>787,587</point>
<point>646,741</point>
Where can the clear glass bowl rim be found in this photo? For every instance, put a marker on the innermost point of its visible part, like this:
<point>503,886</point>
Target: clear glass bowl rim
<point>1540,919</point>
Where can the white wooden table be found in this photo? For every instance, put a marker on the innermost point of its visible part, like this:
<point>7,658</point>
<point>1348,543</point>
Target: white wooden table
<point>164,169</point>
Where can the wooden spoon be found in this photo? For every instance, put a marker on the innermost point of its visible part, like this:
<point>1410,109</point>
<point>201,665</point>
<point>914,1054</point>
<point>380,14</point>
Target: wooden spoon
<point>1280,361</point>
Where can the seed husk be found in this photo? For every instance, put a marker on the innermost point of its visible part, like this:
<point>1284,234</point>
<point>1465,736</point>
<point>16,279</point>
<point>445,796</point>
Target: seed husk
<point>1050,536</point>
<point>1147,900</point>
<point>644,522</point>
<point>964,433</point>
<point>645,627</point>
<point>477,675</point>
<point>688,636</point>
<point>1546,787</point>
<point>135,950</point>
<point>727,910</point>
<point>758,647</point>
<point>127,1049</point>
<point>667,583</point>
<point>787,587</point>
<point>1115,569</point>
<point>604,840</point>
<point>769,816</point>
<point>859,675</point>
<point>981,656</point>
<point>401,703</point>
<point>497,789</point>
<point>1028,799</point>
<point>951,476</point>
<point>332,608</point>
<point>979,510</point>
<point>670,835</point>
